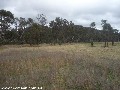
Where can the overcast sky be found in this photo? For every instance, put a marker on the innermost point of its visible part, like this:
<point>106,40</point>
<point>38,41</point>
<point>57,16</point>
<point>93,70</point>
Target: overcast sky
<point>81,12</point>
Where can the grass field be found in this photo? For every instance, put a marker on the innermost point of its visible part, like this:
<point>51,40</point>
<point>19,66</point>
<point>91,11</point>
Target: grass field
<point>61,67</point>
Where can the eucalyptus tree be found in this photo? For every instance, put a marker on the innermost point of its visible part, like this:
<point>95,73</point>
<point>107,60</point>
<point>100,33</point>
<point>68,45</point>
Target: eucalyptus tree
<point>114,36</point>
<point>30,22</point>
<point>105,31</point>
<point>33,35</point>
<point>6,20</point>
<point>92,33</point>
<point>21,24</point>
<point>16,23</point>
<point>109,32</point>
<point>61,30</point>
<point>41,19</point>
<point>55,25</point>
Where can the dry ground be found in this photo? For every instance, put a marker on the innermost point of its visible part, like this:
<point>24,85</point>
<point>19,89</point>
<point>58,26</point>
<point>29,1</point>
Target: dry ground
<point>61,67</point>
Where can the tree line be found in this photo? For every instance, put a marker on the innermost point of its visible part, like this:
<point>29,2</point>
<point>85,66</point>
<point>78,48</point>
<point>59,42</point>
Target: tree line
<point>19,30</point>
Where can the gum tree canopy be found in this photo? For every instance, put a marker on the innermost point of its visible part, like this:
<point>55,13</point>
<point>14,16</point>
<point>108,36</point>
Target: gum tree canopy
<point>6,19</point>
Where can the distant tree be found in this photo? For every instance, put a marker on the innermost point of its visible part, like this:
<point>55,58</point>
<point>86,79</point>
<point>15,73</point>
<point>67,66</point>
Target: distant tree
<point>30,22</point>
<point>61,30</point>
<point>105,31</point>
<point>6,19</point>
<point>22,25</point>
<point>92,25</point>
<point>114,35</point>
<point>109,32</point>
<point>55,28</point>
<point>41,19</point>
<point>33,34</point>
<point>11,37</point>
<point>16,23</point>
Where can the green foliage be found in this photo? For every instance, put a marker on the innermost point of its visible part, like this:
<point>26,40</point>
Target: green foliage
<point>59,31</point>
<point>6,18</point>
<point>92,33</point>
<point>33,34</point>
<point>108,33</point>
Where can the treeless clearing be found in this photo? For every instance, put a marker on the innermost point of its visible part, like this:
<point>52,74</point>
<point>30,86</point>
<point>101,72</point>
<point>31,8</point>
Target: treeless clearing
<point>61,67</point>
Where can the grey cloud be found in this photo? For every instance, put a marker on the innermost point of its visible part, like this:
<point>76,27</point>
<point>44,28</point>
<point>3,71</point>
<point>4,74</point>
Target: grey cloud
<point>81,12</point>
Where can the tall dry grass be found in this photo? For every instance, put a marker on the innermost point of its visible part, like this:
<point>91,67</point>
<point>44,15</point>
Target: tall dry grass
<point>65,67</point>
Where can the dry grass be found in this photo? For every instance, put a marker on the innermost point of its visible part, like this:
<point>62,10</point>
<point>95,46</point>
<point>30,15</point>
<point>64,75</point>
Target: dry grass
<point>65,67</point>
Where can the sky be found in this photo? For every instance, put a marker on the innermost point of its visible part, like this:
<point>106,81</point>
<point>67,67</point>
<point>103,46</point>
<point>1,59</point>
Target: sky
<point>81,12</point>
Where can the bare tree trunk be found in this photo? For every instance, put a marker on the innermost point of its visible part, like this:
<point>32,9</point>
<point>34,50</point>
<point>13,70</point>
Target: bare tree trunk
<point>107,43</point>
<point>112,43</point>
